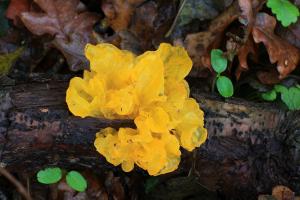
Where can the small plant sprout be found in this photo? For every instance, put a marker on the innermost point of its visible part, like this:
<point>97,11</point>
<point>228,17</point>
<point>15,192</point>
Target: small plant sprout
<point>286,12</point>
<point>49,175</point>
<point>53,175</point>
<point>289,96</point>
<point>219,64</point>
<point>269,96</point>
<point>76,181</point>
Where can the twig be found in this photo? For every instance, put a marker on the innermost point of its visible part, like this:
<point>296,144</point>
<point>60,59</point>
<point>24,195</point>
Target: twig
<point>176,18</point>
<point>213,84</point>
<point>14,181</point>
<point>28,185</point>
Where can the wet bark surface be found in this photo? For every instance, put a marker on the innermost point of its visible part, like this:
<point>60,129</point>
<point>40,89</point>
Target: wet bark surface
<point>251,147</point>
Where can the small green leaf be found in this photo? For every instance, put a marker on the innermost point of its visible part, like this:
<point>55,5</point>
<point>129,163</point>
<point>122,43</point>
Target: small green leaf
<point>218,61</point>
<point>224,86</point>
<point>280,88</point>
<point>49,175</point>
<point>76,181</point>
<point>269,96</point>
<point>285,11</point>
<point>292,98</point>
<point>151,183</point>
<point>7,60</point>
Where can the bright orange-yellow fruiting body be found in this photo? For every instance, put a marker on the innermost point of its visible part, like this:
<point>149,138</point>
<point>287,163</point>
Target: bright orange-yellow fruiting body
<point>151,90</point>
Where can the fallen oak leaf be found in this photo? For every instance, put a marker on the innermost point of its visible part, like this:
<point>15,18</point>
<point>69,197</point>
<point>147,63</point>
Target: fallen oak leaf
<point>71,26</point>
<point>149,25</point>
<point>118,13</point>
<point>143,23</point>
<point>243,52</point>
<point>281,192</point>
<point>249,10</point>
<point>144,28</point>
<point>281,52</point>
<point>200,44</point>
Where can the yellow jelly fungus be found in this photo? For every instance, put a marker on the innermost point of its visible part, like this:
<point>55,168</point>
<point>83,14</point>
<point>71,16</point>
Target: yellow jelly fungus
<point>151,90</point>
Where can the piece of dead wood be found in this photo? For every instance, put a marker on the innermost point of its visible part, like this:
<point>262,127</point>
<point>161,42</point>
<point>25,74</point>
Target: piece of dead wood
<point>251,146</point>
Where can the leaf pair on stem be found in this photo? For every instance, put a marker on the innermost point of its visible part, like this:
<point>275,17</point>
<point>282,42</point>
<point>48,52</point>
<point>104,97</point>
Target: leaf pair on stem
<point>52,175</point>
<point>219,63</point>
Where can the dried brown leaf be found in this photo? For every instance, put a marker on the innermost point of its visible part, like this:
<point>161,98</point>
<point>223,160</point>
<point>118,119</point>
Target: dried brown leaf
<point>291,34</point>
<point>247,15</point>
<point>96,189</point>
<point>200,44</point>
<point>144,28</point>
<point>268,77</point>
<point>15,8</point>
<point>244,51</point>
<point>281,192</point>
<point>143,23</point>
<point>281,52</point>
<point>151,21</point>
<point>130,42</point>
<point>71,27</point>
<point>249,10</point>
<point>118,13</point>
<point>114,186</point>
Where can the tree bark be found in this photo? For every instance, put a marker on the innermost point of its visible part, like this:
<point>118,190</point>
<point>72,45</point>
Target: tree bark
<point>251,147</point>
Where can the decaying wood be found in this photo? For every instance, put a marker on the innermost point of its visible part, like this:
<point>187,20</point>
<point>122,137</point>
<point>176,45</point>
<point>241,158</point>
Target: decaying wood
<point>251,147</point>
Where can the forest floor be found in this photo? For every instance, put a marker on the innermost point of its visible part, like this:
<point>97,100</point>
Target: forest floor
<point>259,40</point>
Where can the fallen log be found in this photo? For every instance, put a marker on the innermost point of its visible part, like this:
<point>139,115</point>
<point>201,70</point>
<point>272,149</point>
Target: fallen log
<point>251,147</point>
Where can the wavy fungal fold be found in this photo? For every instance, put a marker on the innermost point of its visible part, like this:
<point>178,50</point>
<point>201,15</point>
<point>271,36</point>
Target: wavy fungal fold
<point>151,90</point>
